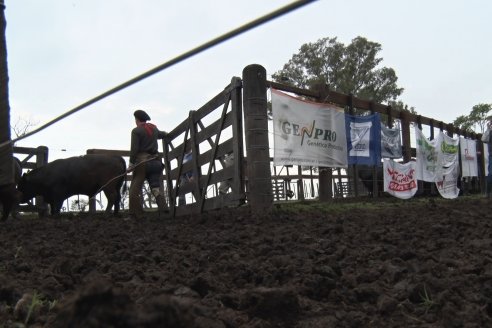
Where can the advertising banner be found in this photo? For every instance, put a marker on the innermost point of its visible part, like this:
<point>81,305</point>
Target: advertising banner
<point>400,180</point>
<point>390,143</point>
<point>308,133</point>
<point>364,139</point>
<point>426,156</point>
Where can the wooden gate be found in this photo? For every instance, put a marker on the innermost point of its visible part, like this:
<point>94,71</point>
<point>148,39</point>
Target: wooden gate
<point>40,155</point>
<point>199,178</point>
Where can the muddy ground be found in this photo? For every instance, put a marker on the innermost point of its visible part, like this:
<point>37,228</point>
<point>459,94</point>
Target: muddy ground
<point>414,263</point>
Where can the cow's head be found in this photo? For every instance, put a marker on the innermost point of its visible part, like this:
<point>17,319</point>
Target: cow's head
<point>25,188</point>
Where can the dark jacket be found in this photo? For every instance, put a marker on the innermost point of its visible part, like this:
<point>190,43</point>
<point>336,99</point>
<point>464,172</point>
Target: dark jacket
<point>144,140</point>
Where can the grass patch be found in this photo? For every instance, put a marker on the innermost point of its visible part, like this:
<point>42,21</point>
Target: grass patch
<point>337,206</point>
<point>427,302</point>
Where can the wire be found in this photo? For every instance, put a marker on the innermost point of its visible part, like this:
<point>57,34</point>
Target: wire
<point>123,174</point>
<point>248,26</point>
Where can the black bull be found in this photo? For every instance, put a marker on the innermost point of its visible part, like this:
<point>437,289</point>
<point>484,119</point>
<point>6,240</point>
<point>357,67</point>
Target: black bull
<point>83,175</point>
<point>9,197</point>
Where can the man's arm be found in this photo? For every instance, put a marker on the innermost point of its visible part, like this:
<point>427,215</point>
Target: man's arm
<point>161,134</point>
<point>134,147</point>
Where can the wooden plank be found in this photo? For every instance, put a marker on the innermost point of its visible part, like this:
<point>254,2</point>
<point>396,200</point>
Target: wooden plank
<point>124,153</point>
<point>213,154</point>
<point>206,109</point>
<point>215,177</point>
<point>204,158</point>
<point>238,180</point>
<point>197,172</point>
<point>175,191</point>
<point>213,203</point>
<point>203,135</point>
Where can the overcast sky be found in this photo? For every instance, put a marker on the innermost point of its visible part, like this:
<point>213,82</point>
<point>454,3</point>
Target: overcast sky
<point>63,53</point>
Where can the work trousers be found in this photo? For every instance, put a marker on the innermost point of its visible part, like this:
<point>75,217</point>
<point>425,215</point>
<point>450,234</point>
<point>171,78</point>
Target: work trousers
<point>138,179</point>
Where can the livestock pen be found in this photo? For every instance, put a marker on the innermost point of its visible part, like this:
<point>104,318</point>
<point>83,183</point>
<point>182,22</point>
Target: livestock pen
<point>236,122</point>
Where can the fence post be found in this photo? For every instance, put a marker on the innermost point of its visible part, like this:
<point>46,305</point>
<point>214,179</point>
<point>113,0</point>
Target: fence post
<point>405,131</point>
<point>325,174</point>
<point>352,167</point>
<point>300,186</point>
<point>260,195</point>
<point>450,129</point>
<point>41,160</point>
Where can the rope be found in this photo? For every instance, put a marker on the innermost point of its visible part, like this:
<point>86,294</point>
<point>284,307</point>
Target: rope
<point>130,169</point>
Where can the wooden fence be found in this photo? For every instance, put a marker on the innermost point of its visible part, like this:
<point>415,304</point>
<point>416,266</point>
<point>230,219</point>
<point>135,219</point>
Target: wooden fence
<point>209,143</point>
<point>323,94</point>
<point>217,129</point>
<point>31,158</point>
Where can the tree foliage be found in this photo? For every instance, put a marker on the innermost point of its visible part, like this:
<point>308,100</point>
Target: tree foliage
<point>476,121</point>
<point>347,69</point>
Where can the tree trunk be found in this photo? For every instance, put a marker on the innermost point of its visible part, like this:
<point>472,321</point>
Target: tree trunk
<point>6,154</point>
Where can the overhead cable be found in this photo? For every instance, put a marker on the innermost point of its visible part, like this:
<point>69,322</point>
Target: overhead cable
<point>255,23</point>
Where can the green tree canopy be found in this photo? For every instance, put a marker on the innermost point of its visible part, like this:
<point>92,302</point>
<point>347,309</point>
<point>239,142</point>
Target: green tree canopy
<point>346,69</point>
<point>476,121</point>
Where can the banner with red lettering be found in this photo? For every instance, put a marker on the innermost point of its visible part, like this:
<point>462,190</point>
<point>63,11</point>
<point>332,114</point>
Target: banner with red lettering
<point>400,180</point>
<point>308,133</point>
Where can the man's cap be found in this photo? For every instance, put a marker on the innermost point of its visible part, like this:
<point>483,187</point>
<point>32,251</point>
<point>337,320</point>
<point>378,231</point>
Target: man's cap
<point>141,115</point>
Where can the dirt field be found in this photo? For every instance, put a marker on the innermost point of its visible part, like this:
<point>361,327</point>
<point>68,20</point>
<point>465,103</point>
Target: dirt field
<point>417,263</point>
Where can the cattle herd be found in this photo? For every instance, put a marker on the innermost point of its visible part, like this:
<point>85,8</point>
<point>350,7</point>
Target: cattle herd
<point>58,180</point>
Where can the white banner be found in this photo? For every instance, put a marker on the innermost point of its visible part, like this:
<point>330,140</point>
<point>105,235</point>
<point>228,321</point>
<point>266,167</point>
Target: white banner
<point>448,167</point>
<point>469,164</point>
<point>447,181</point>
<point>308,133</point>
<point>361,138</point>
<point>486,159</point>
<point>426,156</point>
<point>400,180</point>
<point>390,143</point>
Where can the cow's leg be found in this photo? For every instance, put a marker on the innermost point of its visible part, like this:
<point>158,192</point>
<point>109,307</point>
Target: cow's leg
<point>15,204</point>
<point>56,206</point>
<point>117,202</point>
<point>113,200</point>
<point>5,210</point>
<point>7,199</point>
<point>15,211</point>
<point>7,207</point>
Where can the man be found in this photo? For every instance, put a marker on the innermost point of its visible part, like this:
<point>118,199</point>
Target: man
<point>487,138</point>
<point>145,164</point>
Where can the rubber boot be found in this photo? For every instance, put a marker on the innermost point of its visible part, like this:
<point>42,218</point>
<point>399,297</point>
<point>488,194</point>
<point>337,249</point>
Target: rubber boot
<point>161,201</point>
